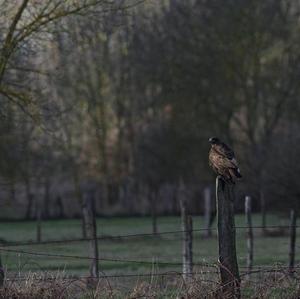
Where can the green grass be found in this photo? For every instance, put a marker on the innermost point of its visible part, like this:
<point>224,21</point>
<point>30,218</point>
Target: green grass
<point>267,250</point>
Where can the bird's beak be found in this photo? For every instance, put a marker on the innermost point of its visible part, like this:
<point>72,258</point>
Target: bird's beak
<point>210,140</point>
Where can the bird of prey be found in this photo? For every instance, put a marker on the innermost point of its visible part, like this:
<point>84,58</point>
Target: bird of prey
<point>222,160</point>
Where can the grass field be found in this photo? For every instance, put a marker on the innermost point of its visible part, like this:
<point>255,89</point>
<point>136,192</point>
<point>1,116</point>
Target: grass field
<point>153,249</point>
<point>165,248</point>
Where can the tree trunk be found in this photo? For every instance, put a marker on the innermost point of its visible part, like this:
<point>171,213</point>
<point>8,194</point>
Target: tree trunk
<point>38,220</point>
<point>78,194</point>
<point>154,195</point>
<point>263,211</point>
<point>249,233</point>
<point>207,211</point>
<point>60,206</point>
<point>293,223</point>
<point>29,197</point>
<point>13,190</point>
<point>46,213</point>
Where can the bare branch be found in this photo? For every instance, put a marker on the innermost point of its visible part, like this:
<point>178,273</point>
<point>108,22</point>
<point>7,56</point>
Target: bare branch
<point>6,49</point>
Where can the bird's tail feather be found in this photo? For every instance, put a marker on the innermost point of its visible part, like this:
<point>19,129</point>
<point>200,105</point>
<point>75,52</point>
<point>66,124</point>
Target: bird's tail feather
<point>234,174</point>
<point>237,173</point>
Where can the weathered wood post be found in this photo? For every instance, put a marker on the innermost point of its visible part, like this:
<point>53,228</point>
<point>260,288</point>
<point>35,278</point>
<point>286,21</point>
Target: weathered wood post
<point>187,231</point>
<point>229,271</point>
<point>249,233</point>
<point>189,248</point>
<point>88,210</point>
<point>2,273</point>
<point>207,211</point>
<point>293,222</point>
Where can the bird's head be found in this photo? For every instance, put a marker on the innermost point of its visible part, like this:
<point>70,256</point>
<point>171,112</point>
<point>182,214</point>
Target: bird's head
<point>214,140</point>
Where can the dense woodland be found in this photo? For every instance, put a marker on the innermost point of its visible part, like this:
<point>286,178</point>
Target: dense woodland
<point>120,98</point>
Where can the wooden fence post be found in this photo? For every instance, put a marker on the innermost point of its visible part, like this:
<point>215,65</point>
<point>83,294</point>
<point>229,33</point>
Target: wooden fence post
<point>229,271</point>
<point>189,248</point>
<point>186,226</point>
<point>207,211</point>
<point>249,233</point>
<point>2,273</point>
<point>88,210</point>
<point>293,222</point>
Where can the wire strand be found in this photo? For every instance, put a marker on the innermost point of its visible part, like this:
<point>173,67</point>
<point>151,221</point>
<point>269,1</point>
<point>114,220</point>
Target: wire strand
<point>102,259</point>
<point>99,238</point>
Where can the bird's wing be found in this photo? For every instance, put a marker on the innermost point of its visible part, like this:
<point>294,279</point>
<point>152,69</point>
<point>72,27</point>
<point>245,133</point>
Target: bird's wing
<point>229,163</point>
<point>217,160</point>
<point>227,153</point>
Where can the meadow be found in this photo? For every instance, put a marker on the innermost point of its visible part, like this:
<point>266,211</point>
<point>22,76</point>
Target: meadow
<point>142,257</point>
<point>150,248</point>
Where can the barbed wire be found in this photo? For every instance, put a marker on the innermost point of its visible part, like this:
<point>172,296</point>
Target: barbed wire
<point>255,269</point>
<point>99,238</point>
<point>142,262</point>
<point>173,273</point>
<point>104,259</point>
<point>170,273</point>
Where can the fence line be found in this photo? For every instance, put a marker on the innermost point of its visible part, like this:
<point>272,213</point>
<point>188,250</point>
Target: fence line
<point>213,266</point>
<point>103,259</point>
<point>11,244</point>
<point>24,278</point>
<point>165,263</point>
<point>172,273</point>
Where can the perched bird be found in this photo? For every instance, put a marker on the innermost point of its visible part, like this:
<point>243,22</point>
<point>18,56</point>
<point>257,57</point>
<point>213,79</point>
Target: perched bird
<point>222,160</point>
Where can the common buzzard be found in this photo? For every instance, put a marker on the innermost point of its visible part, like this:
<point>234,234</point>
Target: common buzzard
<point>222,160</point>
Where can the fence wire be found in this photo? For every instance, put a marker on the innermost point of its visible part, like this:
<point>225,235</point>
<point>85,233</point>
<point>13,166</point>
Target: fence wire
<point>213,266</point>
<point>142,262</point>
<point>153,235</point>
<point>164,274</point>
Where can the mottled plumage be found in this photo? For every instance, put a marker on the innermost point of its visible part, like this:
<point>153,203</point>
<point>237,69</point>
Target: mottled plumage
<point>222,160</point>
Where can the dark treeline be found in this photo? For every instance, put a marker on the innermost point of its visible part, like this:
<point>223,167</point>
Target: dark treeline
<point>122,100</point>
